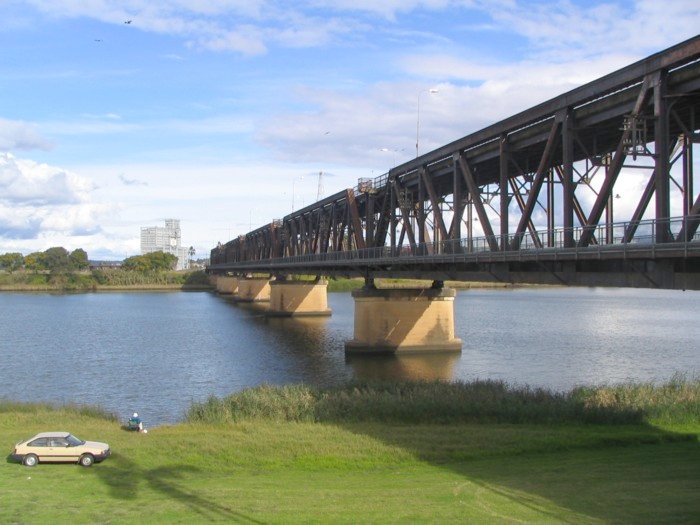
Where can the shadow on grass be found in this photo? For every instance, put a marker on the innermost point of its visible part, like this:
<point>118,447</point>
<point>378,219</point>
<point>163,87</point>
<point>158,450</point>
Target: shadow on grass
<point>125,478</point>
<point>583,456</point>
<point>631,473</point>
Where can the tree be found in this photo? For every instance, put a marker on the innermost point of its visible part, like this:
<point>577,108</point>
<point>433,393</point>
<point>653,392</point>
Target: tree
<point>154,261</point>
<point>11,261</point>
<point>191,253</point>
<point>135,263</point>
<point>56,259</point>
<point>161,261</point>
<point>78,259</point>
<point>35,261</point>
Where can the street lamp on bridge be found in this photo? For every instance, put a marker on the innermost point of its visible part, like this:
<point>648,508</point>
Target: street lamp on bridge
<point>430,91</point>
<point>294,185</point>
<point>393,154</point>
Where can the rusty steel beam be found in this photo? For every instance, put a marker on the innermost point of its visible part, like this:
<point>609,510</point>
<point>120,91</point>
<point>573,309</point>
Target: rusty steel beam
<point>504,160</point>
<point>355,220</point>
<point>521,204</point>
<point>616,164</point>
<point>435,203</point>
<point>545,161</point>
<point>476,200</point>
<point>407,227</point>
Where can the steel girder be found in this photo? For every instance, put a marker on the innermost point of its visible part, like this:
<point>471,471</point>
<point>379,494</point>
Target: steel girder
<point>552,168</point>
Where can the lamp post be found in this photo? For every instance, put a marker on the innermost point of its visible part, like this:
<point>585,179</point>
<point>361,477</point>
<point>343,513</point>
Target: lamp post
<point>294,183</point>
<point>250,218</point>
<point>431,91</point>
<point>393,154</point>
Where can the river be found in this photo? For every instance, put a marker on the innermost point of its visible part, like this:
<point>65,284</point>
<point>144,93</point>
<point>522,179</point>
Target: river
<point>156,353</point>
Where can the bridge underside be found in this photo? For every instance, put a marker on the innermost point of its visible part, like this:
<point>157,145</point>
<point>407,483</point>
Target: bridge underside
<point>594,187</point>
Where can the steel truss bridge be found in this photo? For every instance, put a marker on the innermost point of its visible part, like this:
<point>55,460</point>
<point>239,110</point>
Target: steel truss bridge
<point>531,198</point>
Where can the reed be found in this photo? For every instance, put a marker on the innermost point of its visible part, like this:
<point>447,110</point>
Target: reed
<point>439,402</point>
<point>66,409</point>
<point>676,401</point>
<point>104,279</point>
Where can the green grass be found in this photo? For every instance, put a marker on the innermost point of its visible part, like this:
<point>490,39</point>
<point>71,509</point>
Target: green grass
<point>267,469</point>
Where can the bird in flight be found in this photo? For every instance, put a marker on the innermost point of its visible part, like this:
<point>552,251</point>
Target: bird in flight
<point>98,40</point>
<point>127,21</point>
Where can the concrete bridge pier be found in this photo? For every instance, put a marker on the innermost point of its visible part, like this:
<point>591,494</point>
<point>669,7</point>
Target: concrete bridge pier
<point>253,290</point>
<point>226,285</point>
<point>404,320</point>
<point>298,298</point>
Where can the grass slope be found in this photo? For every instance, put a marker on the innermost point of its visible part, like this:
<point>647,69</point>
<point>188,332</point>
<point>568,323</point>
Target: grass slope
<point>262,470</point>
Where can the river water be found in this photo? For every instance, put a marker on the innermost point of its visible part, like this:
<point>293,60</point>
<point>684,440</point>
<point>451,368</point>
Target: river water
<point>156,353</point>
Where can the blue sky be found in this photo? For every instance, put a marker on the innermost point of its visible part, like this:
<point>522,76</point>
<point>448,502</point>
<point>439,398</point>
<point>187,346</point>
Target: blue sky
<point>222,112</point>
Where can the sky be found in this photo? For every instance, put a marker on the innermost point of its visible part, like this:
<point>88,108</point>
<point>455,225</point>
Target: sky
<point>222,113</point>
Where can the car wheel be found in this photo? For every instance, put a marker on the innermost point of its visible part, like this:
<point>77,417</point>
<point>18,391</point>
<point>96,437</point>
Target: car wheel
<point>30,460</point>
<point>86,460</point>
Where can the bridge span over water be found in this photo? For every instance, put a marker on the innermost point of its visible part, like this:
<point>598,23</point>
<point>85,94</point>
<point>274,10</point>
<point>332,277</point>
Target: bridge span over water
<point>533,198</point>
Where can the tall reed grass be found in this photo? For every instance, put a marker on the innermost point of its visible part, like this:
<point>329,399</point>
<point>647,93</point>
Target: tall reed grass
<point>92,411</point>
<point>102,278</point>
<point>459,402</point>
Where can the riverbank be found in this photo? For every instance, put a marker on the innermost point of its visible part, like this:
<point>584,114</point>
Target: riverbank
<point>263,469</point>
<point>116,280</point>
<point>104,280</point>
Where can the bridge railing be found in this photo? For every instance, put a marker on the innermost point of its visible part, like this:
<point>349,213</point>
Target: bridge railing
<point>605,236</point>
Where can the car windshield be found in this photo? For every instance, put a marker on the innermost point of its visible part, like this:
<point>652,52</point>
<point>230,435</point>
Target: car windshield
<point>74,441</point>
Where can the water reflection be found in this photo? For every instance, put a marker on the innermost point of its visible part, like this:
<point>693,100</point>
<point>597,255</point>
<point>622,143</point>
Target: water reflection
<point>156,353</point>
<point>305,333</point>
<point>413,367</point>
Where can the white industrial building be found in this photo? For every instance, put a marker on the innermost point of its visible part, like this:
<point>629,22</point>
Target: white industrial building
<point>165,239</point>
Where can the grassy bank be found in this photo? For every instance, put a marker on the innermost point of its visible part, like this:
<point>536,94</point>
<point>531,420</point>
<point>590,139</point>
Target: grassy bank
<point>120,279</point>
<point>274,463</point>
<point>674,403</point>
<point>109,279</point>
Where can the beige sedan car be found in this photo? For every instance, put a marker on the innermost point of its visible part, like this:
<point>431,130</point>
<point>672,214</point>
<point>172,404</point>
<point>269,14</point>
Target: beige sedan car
<point>59,447</point>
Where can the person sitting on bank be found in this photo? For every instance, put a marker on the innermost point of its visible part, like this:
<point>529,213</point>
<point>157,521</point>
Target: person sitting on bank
<point>135,423</point>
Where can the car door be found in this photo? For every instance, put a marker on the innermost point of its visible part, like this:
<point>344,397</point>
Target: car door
<point>59,450</point>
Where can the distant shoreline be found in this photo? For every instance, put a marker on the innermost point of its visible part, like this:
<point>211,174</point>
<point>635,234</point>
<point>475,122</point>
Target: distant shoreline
<point>109,288</point>
<point>343,285</point>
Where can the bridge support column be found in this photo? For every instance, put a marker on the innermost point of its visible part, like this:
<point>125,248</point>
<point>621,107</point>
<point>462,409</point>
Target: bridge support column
<point>226,285</point>
<point>298,298</point>
<point>253,290</point>
<point>404,321</point>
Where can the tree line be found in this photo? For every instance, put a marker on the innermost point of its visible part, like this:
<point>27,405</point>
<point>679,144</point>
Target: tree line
<point>59,260</point>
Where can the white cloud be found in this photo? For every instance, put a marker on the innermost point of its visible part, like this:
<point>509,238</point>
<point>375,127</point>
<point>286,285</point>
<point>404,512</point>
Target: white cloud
<point>247,40</point>
<point>18,135</point>
<point>566,31</point>
<point>554,29</point>
<point>38,200</point>
<point>389,9</point>
<point>88,126</point>
<point>27,182</point>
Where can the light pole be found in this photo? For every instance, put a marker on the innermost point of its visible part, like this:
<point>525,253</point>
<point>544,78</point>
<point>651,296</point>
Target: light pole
<point>393,154</point>
<point>250,218</point>
<point>431,91</point>
<point>294,183</point>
